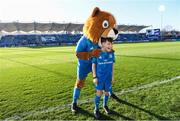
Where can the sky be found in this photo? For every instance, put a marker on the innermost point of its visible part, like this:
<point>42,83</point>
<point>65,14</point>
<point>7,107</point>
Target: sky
<point>129,12</point>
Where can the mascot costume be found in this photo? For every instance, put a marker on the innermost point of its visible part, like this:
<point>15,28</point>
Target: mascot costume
<point>100,24</point>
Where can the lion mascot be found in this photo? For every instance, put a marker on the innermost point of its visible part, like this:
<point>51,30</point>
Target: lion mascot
<point>100,24</point>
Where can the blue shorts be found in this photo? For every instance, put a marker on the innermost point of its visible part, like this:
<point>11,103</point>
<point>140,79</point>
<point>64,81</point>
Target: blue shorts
<point>104,85</point>
<point>83,69</point>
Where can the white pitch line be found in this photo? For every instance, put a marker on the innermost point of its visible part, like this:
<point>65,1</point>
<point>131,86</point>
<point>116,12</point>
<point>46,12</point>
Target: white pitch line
<point>128,90</point>
<point>153,84</point>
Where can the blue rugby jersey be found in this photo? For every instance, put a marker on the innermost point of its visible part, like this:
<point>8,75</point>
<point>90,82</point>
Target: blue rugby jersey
<point>85,45</point>
<point>104,64</point>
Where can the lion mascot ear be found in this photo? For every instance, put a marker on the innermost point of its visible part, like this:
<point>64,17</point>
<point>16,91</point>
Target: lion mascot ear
<point>95,11</point>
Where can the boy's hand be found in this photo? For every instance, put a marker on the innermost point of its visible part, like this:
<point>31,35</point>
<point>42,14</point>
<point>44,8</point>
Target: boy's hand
<point>95,81</point>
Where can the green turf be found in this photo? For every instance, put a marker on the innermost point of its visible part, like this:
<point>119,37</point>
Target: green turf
<point>38,78</point>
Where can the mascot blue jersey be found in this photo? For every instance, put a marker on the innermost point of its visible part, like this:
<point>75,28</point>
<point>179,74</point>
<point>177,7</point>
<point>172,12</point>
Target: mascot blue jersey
<point>84,66</point>
<point>85,45</point>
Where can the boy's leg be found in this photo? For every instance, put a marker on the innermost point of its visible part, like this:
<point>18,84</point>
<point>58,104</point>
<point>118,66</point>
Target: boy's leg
<point>108,90</point>
<point>97,100</point>
<point>111,94</point>
<point>105,99</point>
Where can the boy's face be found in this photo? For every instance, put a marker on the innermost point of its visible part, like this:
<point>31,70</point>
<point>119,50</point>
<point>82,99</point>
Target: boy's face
<point>107,46</point>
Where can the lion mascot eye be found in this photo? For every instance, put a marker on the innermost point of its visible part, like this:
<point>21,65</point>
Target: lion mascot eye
<point>105,24</point>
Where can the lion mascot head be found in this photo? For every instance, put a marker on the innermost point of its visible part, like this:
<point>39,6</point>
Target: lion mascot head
<point>100,24</point>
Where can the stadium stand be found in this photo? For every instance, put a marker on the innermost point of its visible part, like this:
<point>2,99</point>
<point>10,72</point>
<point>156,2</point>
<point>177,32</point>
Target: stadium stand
<point>55,34</point>
<point>39,40</point>
<point>57,27</point>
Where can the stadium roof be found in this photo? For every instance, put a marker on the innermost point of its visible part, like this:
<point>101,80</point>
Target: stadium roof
<point>15,27</point>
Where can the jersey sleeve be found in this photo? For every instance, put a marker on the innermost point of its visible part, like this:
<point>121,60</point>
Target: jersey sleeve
<point>81,45</point>
<point>94,60</point>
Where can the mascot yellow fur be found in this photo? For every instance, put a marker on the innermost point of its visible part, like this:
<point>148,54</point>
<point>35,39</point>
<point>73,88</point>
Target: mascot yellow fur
<point>100,24</point>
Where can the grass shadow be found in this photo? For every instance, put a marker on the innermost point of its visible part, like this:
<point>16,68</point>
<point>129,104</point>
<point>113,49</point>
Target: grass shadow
<point>102,116</point>
<point>139,108</point>
<point>114,113</point>
<point>87,113</point>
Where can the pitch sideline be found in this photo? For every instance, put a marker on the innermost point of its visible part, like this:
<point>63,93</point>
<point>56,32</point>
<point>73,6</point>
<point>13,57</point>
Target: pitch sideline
<point>124,91</point>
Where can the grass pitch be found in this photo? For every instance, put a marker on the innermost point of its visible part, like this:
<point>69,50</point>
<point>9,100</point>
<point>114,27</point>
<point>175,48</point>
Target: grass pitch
<point>33,79</point>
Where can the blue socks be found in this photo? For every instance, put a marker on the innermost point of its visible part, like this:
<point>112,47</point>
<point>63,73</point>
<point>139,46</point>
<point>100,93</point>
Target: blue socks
<point>105,100</point>
<point>97,100</point>
<point>76,94</point>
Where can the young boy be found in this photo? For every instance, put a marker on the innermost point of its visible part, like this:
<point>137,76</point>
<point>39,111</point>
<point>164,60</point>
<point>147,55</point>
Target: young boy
<point>103,74</point>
